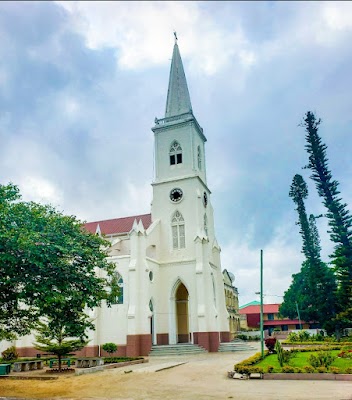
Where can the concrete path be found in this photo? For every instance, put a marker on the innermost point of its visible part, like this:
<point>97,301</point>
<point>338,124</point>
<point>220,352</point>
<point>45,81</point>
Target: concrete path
<point>202,376</point>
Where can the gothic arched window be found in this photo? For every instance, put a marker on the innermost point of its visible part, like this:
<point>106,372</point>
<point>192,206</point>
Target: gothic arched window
<point>199,156</point>
<point>178,231</point>
<point>175,153</point>
<point>119,299</point>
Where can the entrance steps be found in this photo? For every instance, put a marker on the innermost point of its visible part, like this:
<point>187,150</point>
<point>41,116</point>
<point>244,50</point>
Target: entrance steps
<point>235,345</point>
<point>180,349</point>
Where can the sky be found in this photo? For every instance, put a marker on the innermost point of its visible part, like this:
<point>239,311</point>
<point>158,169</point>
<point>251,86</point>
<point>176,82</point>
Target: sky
<point>82,82</point>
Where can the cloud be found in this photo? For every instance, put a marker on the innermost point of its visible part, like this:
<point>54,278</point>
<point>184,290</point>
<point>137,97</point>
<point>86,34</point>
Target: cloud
<point>81,83</point>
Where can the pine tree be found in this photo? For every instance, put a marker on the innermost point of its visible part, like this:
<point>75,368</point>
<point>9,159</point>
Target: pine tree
<point>314,286</point>
<point>340,220</point>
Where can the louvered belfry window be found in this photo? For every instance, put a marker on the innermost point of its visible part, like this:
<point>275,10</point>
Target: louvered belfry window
<point>175,153</point>
<point>178,231</point>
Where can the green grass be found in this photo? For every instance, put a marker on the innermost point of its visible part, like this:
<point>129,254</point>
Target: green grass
<point>301,359</point>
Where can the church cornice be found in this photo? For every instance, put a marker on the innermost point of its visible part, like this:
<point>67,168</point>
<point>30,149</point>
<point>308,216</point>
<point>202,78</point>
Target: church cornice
<point>182,178</point>
<point>176,262</point>
<point>164,124</point>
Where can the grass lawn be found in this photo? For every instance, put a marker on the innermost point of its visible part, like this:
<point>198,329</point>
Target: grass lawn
<point>301,359</point>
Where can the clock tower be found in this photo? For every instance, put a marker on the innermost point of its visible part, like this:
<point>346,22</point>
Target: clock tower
<point>187,247</point>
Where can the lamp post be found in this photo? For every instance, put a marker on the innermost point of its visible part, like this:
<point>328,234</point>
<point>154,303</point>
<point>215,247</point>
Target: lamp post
<point>261,306</point>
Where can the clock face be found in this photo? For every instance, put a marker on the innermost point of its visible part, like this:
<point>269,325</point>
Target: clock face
<point>176,195</point>
<point>205,199</point>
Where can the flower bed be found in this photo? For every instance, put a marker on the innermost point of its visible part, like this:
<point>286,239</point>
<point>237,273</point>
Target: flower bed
<point>302,361</point>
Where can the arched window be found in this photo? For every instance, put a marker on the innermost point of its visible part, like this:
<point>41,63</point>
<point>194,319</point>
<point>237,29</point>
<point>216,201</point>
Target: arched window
<point>175,153</point>
<point>199,156</point>
<point>206,224</point>
<point>119,299</point>
<point>178,231</point>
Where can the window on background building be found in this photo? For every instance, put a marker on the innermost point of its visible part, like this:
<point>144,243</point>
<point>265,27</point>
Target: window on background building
<point>284,327</point>
<point>175,153</point>
<point>178,231</point>
<point>271,317</point>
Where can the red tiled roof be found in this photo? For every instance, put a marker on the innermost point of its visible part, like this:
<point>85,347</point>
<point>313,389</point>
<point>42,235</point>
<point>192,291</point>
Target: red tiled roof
<point>283,322</point>
<point>267,308</point>
<point>118,225</point>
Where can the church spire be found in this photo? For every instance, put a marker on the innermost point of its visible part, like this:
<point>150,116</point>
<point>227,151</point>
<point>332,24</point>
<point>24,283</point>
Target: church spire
<point>178,100</point>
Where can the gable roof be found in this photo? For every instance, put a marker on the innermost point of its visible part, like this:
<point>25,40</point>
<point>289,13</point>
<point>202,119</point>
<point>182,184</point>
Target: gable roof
<point>252,303</point>
<point>118,226</point>
<point>255,309</point>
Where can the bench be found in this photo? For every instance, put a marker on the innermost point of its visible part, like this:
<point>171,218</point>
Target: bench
<point>55,362</point>
<point>5,369</point>
<point>88,362</point>
<point>21,366</point>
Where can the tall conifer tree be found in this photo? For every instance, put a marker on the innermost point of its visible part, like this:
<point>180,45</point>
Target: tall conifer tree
<point>314,286</point>
<point>340,220</point>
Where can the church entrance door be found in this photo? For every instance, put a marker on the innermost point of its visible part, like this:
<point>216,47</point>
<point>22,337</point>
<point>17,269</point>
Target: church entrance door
<point>182,314</point>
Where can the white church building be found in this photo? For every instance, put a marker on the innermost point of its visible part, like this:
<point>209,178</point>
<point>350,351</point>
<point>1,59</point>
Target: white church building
<point>168,261</point>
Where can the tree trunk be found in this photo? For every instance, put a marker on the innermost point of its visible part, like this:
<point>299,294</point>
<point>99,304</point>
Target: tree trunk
<point>59,357</point>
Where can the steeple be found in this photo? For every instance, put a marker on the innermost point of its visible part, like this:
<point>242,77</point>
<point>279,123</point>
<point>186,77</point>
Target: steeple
<point>178,100</point>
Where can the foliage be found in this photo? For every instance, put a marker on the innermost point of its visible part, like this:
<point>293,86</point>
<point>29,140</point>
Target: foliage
<point>345,354</point>
<point>321,359</point>
<point>270,344</point>
<point>304,336</point>
<point>348,370</point>
<point>270,369</point>
<point>111,360</point>
<point>243,365</point>
<point>339,217</point>
<point>309,369</point>
<point>313,289</point>
<point>48,263</point>
<point>288,369</point>
<point>55,337</point>
<point>10,354</point>
<point>109,347</point>
<point>279,351</point>
<point>334,370</point>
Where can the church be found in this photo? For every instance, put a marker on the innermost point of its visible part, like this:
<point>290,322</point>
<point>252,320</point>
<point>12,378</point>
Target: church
<point>167,262</point>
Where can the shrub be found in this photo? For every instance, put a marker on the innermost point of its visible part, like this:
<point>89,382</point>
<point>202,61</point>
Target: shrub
<point>288,369</point>
<point>292,337</point>
<point>270,344</point>
<point>242,337</point>
<point>321,359</point>
<point>109,347</point>
<point>255,369</point>
<point>299,370</point>
<point>345,354</point>
<point>321,370</point>
<point>10,354</point>
<point>270,369</point>
<point>308,369</point>
<point>242,369</point>
<point>335,370</point>
<point>348,370</point>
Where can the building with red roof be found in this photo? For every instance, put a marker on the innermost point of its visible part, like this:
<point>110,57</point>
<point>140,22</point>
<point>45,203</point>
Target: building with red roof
<point>271,318</point>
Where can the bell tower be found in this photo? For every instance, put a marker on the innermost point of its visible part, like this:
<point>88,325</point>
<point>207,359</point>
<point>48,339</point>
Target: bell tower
<point>180,192</point>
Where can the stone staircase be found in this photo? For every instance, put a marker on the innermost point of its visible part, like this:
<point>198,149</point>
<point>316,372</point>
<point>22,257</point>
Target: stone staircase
<point>176,350</point>
<point>235,345</point>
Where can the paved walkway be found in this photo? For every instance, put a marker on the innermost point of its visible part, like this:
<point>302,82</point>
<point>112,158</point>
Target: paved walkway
<point>201,376</point>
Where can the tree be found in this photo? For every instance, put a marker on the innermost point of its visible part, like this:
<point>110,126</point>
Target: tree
<point>110,347</point>
<point>312,289</point>
<point>49,266</point>
<point>53,336</point>
<point>339,218</point>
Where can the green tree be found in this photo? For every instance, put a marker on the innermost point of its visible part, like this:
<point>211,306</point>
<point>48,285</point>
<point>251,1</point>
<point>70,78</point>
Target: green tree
<point>56,336</point>
<point>109,347</point>
<point>313,288</point>
<point>48,264</point>
<point>339,218</point>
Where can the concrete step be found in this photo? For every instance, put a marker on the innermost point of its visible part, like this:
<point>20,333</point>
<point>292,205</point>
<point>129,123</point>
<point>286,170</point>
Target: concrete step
<point>236,345</point>
<point>176,349</point>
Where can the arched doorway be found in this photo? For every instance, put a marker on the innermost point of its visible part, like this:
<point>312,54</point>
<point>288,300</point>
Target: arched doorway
<point>182,320</point>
